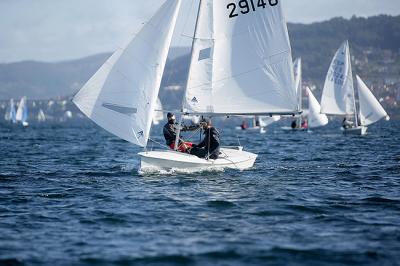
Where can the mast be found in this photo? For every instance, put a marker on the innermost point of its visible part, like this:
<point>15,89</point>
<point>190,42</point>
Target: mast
<point>354,92</point>
<point>178,134</point>
<point>300,89</point>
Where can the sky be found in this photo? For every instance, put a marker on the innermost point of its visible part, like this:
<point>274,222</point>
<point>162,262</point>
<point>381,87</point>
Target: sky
<point>56,30</point>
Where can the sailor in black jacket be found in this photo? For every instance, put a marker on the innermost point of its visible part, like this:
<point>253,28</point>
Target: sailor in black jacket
<point>209,148</point>
<point>170,130</point>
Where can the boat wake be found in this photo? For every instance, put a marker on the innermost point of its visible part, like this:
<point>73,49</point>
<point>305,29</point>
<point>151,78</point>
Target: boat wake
<point>173,171</point>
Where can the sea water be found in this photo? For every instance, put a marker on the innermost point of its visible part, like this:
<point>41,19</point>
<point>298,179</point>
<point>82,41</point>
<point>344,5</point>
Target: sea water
<point>71,194</point>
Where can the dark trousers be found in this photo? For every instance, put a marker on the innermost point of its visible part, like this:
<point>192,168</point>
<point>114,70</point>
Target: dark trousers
<point>203,153</point>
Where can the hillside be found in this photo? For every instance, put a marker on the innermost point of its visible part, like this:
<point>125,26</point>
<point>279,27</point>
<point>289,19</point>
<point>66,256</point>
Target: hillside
<point>375,44</point>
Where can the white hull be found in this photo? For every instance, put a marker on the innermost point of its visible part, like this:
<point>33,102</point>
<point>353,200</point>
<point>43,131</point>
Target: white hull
<point>251,129</point>
<point>171,160</point>
<point>356,131</point>
<point>293,129</point>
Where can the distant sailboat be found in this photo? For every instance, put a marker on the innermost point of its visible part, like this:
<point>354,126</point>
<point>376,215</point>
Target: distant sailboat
<point>41,117</point>
<point>338,97</point>
<point>22,112</point>
<point>298,74</point>
<point>371,111</point>
<point>315,118</point>
<point>266,121</point>
<point>241,64</point>
<point>254,126</point>
<point>158,114</point>
<point>68,115</point>
<point>297,125</point>
<point>11,114</point>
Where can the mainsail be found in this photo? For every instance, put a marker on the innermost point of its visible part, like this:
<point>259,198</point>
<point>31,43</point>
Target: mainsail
<point>315,118</point>
<point>122,95</point>
<point>241,61</point>
<point>371,110</point>
<point>338,93</point>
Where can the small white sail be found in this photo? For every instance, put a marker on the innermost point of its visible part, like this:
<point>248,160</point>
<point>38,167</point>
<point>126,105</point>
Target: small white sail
<point>25,115</point>
<point>315,118</point>
<point>50,104</point>
<point>68,115</point>
<point>371,110</point>
<point>158,114</point>
<point>266,121</point>
<point>122,95</point>
<point>338,92</point>
<point>21,110</point>
<point>11,114</point>
<point>241,61</point>
<point>41,117</point>
<point>298,81</point>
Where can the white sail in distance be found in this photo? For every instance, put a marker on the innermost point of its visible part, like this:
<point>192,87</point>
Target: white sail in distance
<point>11,114</point>
<point>315,118</point>
<point>121,97</point>
<point>338,93</point>
<point>41,117</point>
<point>298,81</point>
<point>241,62</point>
<point>266,121</point>
<point>371,111</point>
<point>21,115</point>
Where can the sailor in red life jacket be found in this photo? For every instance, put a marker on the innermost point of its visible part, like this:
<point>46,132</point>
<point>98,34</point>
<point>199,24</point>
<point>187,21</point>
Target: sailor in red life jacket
<point>304,124</point>
<point>170,130</point>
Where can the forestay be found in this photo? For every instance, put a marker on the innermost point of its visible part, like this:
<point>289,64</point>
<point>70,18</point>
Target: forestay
<point>338,92</point>
<point>241,60</point>
<point>122,95</point>
<point>371,110</point>
<point>315,118</point>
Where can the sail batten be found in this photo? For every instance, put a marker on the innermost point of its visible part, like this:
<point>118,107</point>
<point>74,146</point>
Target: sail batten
<point>121,96</point>
<point>241,65</point>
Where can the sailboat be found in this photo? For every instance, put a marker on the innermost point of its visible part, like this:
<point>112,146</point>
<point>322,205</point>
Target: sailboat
<point>370,111</point>
<point>338,97</point>
<point>254,126</point>
<point>158,114</point>
<point>41,117</point>
<point>297,124</point>
<point>240,65</point>
<point>315,118</point>
<point>11,113</point>
<point>266,121</point>
<point>22,112</point>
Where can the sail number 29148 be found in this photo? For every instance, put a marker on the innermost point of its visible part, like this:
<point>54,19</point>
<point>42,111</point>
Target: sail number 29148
<point>245,6</point>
